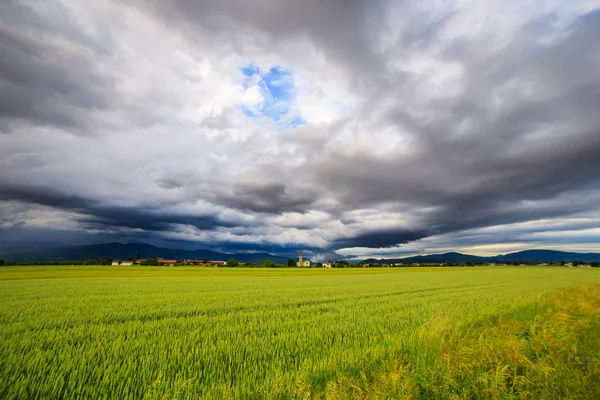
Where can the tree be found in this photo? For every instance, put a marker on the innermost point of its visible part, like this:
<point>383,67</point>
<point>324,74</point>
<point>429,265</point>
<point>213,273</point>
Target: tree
<point>149,261</point>
<point>90,262</point>
<point>232,263</point>
<point>594,264</point>
<point>1,261</point>
<point>130,259</point>
<point>268,264</point>
<point>138,256</point>
<point>291,262</point>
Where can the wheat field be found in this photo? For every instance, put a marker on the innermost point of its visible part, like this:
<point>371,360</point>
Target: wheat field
<point>187,333</point>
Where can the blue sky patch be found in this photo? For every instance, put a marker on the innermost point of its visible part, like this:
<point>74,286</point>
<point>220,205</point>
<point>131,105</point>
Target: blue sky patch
<point>295,121</point>
<point>278,88</point>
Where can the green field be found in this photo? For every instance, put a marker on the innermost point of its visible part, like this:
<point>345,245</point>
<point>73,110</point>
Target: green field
<point>182,332</point>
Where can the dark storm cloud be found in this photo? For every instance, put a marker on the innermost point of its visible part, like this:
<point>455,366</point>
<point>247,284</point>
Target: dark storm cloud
<point>95,214</point>
<point>55,74</point>
<point>268,197</point>
<point>43,79</point>
<point>379,239</point>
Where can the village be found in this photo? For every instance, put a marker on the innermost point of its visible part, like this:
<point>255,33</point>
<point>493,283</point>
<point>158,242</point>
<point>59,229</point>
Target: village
<point>305,263</point>
<point>168,262</point>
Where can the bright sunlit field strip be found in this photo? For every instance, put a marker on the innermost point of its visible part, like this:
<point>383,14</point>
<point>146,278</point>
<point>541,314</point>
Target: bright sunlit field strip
<point>107,332</point>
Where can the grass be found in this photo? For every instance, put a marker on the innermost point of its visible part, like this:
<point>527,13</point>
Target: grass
<point>163,333</point>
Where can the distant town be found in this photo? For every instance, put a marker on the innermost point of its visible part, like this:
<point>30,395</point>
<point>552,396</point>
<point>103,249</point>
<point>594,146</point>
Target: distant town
<point>334,264</point>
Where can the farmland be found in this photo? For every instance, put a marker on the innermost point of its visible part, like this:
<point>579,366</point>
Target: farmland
<point>157,332</point>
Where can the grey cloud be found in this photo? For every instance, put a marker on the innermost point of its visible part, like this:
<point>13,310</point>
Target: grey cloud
<point>517,141</point>
<point>54,74</point>
<point>471,177</point>
<point>566,231</point>
<point>96,214</point>
<point>42,79</point>
<point>343,30</point>
<point>167,183</point>
<point>379,239</point>
<point>269,197</point>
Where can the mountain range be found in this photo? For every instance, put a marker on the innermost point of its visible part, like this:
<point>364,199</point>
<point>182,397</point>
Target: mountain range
<point>42,251</point>
<point>527,256</point>
<point>30,251</point>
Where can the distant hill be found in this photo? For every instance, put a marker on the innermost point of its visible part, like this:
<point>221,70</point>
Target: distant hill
<point>445,257</point>
<point>527,256</point>
<point>124,250</point>
<point>548,256</point>
<point>23,246</point>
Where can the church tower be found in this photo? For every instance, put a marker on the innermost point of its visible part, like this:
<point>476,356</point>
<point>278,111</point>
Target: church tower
<point>300,264</point>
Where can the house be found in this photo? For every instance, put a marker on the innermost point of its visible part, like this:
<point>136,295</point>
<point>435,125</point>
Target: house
<point>568,264</point>
<point>205,262</point>
<point>327,264</point>
<point>215,263</point>
<point>119,262</point>
<point>162,261</point>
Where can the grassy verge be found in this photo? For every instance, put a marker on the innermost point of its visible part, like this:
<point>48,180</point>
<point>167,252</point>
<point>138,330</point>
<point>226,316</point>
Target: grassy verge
<point>547,349</point>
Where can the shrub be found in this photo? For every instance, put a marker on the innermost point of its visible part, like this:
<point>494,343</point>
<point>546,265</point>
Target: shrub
<point>232,263</point>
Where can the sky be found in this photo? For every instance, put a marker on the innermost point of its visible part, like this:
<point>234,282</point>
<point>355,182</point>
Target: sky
<point>345,128</point>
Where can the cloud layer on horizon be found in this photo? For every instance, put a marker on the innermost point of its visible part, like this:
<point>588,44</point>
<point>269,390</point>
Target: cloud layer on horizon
<point>361,128</point>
